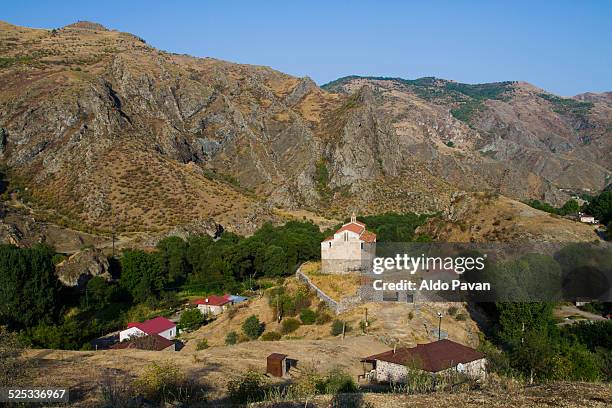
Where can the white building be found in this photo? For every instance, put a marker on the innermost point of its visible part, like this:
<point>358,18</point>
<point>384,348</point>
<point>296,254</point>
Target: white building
<point>351,249</point>
<point>588,219</point>
<point>213,304</point>
<point>159,326</point>
<point>439,357</point>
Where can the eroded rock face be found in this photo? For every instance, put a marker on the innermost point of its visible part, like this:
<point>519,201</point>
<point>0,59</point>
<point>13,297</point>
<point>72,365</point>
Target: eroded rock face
<point>82,266</point>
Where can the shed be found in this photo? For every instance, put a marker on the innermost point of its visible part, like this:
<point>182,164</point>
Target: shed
<point>276,364</point>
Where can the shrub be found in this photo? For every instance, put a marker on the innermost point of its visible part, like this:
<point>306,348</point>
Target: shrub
<point>249,387</point>
<point>271,336</point>
<point>337,381</point>
<point>410,315</point>
<point>164,382</point>
<point>308,316</point>
<point>338,326</point>
<point>461,317</point>
<point>323,317</point>
<point>289,325</point>
<point>191,319</point>
<point>231,338</point>
<point>252,327</point>
<point>452,310</point>
<point>202,345</point>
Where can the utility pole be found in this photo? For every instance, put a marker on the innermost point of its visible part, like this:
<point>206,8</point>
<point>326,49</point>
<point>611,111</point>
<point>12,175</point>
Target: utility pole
<point>439,326</point>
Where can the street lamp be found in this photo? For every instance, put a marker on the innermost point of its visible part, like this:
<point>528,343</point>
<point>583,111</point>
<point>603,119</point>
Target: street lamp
<point>439,326</point>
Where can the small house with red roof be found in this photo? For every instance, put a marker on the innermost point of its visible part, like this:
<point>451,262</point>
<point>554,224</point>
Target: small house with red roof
<point>213,304</point>
<point>351,249</point>
<point>436,358</point>
<point>159,326</point>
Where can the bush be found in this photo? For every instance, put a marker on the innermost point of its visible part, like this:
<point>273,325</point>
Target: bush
<point>191,319</point>
<point>337,381</point>
<point>271,336</point>
<point>308,316</point>
<point>461,317</point>
<point>252,327</point>
<point>202,345</point>
<point>231,338</point>
<point>338,326</point>
<point>164,382</point>
<point>289,325</point>
<point>249,387</point>
<point>323,317</point>
<point>452,310</point>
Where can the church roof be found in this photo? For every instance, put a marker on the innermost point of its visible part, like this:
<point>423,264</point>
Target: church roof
<point>358,228</point>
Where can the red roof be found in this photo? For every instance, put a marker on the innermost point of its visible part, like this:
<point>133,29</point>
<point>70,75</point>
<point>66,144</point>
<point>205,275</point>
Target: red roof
<point>432,357</point>
<point>368,236</point>
<point>358,228</point>
<point>212,300</point>
<point>148,342</point>
<point>353,227</point>
<point>153,326</point>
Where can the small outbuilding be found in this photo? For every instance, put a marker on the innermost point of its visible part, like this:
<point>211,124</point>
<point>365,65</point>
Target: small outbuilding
<point>276,364</point>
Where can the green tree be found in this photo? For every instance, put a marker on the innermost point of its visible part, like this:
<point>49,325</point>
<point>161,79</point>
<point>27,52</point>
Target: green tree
<point>308,316</point>
<point>517,318</point>
<point>173,257</point>
<point>191,319</point>
<point>29,290</point>
<point>601,207</point>
<point>274,261</point>
<point>252,327</point>
<point>571,206</point>
<point>141,274</point>
<point>99,292</point>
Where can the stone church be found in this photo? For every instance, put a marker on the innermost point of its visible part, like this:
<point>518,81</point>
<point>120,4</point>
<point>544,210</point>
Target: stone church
<point>351,249</point>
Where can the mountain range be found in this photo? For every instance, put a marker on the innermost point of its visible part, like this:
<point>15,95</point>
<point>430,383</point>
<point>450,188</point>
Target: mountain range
<point>100,131</point>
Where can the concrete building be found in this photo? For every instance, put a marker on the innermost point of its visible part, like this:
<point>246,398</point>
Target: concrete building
<point>351,249</point>
<point>439,357</point>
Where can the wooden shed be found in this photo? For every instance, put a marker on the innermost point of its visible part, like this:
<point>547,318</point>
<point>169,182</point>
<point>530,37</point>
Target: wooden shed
<point>276,364</point>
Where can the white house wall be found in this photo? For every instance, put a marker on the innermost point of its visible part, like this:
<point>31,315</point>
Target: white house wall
<point>211,309</point>
<point>396,373</point>
<point>131,332</point>
<point>169,334</point>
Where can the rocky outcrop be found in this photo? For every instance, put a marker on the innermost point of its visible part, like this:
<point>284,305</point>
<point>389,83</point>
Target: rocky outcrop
<point>77,269</point>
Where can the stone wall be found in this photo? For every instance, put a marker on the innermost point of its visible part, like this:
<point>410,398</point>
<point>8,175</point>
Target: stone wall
<point>396,373</point>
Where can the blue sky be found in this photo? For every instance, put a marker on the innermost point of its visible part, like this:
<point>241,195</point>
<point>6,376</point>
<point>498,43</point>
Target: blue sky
<point>562,46</point>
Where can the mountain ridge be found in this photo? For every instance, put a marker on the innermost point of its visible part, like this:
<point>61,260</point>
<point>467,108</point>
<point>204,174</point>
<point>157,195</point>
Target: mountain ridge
<point>106,130</point>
